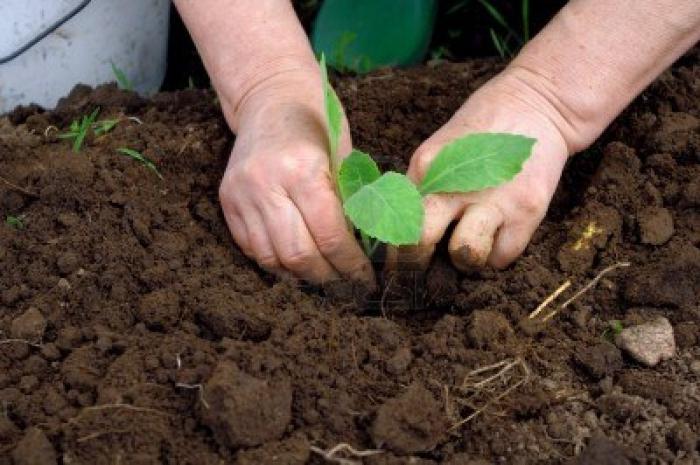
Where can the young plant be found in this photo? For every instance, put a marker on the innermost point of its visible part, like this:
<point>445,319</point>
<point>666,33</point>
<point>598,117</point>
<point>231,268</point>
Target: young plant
<point>104,126</point>
<point>122,80</point>
<point>131,153</point>
<point>14,221</point>
<point>388,207</point>
<point>611,332</point>
<point>78,130</point>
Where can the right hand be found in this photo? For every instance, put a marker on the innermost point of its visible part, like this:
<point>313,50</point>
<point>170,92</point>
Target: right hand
<point>278,195</point>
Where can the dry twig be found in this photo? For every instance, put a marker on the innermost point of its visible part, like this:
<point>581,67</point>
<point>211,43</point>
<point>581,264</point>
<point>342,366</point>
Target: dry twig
<point>587,287</point>
<point>565,285</point>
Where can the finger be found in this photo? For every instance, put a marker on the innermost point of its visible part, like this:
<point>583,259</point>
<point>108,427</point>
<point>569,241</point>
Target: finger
<point>472,240</point>
<point>440,211</point>
<point>235,225</point>
<point>293,244</point>
<point>238,230</point>
<point>325,220</point>
<point>510,242</point>
<point>261,248</point>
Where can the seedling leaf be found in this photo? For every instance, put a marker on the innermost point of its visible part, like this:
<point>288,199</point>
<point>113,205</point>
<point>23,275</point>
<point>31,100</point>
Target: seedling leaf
<point>78,130</point>
<point>140,158</point>
<point>389,209</point>
<point>334,116</point>
<point>14,221</point>
<point>356,171</point>
<point>477,161</point>
<point>121,78</point>
<point>104,126</point>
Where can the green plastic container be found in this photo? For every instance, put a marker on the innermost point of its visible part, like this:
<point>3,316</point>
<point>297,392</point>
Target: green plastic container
<point>362,35</point>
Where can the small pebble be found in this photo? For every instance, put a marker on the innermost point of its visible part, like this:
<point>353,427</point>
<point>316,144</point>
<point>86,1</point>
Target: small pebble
<point>648,343</point>
<point>50,352</point>
<point>27,384</point>
<point>695,367</point>
<point>400,361</point>
<point>30,325</point>
<point>68,338</point>
<point>67,263</point>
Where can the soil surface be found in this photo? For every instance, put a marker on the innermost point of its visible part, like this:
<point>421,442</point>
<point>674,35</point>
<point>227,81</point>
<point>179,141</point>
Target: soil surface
<point>148,338</point>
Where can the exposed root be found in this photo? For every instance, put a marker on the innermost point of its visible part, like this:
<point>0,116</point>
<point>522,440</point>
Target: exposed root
<point>22,341</point>
<point>330,455</point>
<point>199,387</point>
<point>382,301</point>
<point>98,434</point>
<point>489,379</point>
<point>49,129</point>
<point>128,407</point>
<point>18,188</point>
<point>134,119</point>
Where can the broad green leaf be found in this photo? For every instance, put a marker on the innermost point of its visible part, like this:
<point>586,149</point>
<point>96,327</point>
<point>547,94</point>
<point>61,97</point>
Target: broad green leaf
<point>389,209</point>
<point>357,170</point>
<point>334,115</point>
<point>477,161</point>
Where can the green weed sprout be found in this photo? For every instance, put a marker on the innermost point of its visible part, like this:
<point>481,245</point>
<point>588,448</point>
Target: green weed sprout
<point>140,158</point>
<point>104,126</point>
<point>14,221</point>
<point>78,130</point>
<point>388,207</point>
<point>614,328</point>
<point>122,80</point>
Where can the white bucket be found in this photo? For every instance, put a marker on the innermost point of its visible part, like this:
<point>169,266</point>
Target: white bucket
<point>132,34</point>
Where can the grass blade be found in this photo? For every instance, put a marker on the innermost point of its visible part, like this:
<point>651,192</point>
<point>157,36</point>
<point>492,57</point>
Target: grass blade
<point>121,78</point>
<point>131,153</point>
<point>525,7</point>
<point>497,43</point>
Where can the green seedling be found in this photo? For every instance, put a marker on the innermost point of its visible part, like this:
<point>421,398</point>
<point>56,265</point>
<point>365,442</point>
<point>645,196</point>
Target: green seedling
<point>14,221</point>
<point>388,208</point>
<point>140,158</point>
<point>122,80</point>
<point>104,126</point>
<point>78,130</point>
<point>614,328</point>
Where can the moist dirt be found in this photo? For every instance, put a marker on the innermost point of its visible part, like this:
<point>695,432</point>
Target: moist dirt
<point>146,337</point>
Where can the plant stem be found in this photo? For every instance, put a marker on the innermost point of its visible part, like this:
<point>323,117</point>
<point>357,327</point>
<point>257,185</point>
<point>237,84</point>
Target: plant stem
<point>369,244</point>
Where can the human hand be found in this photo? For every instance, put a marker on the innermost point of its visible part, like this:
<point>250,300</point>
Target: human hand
<point>494,225</point>
<point>277,194</point>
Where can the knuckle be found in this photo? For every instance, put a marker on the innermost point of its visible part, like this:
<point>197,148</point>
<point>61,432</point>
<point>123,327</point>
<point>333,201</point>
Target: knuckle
<point>267,261</point>
<point>421,160</point>
<point>226,193</point>
<point>533,202</point>
<point>330,243</point>
<point>297,260</point>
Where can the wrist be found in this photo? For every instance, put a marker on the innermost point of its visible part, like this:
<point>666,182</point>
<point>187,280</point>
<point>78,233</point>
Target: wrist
<point>283,81</point>
<point>577,116</point>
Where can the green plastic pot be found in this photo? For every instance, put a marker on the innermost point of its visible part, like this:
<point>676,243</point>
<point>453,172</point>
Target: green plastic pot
<point>362,35</point>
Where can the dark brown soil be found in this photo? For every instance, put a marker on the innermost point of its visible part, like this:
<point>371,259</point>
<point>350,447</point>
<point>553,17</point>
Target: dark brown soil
<point>152,340</point>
